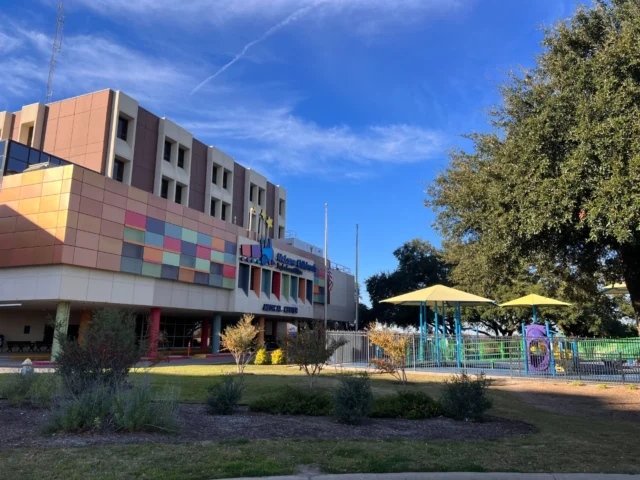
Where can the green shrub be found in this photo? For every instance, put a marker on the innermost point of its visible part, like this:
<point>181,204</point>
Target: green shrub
<point>294,401</point>
<point>464,398</point>
<point>86,412</point>
<point>405,404</point>
<point>223,397</point>
<point>278,357</point>
<point>132,409</point>
<point>262,357</point>
<point>631,386</point>
<point>353,399</point>
<point>138,409</point>
<point>106,354</point>
<point>33,389</point>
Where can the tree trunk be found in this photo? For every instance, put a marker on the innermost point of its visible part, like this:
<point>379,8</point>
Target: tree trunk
<point>630,256</point>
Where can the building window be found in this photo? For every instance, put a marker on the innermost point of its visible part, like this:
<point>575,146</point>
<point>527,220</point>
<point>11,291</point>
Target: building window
<point>225,179</point>
<point>251,187</point>
<point>179,194</point>
<point>181,157</point>
<point>30,136</point>
<point>123,128</point>
<point>167,150</point>
<point>260,196</point>
<point>281,208</point>
<point>281,232</point>
<point>214,205</point>
<point>223,213</point>
<point>118,170</point>
<point>214,175</point>
<point>164,188</point>
<point>27,329</point>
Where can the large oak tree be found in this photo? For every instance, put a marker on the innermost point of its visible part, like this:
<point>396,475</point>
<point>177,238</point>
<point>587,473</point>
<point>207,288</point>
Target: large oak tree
<point>557,180</point>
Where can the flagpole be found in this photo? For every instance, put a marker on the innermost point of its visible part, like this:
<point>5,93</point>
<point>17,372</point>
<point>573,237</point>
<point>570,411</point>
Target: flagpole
<point>326,270</point>
<point>357,284</point>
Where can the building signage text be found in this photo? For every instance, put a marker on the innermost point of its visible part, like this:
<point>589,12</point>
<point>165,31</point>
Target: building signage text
<point>291,263</point>
<point>268,307</point>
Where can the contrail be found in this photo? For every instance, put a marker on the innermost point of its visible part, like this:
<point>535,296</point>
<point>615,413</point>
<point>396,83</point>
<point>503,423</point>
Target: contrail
<point>291,18</point>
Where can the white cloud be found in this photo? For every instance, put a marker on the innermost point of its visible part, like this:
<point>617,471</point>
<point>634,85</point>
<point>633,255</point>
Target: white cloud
<point>278,138</point>
<point>220,12</point>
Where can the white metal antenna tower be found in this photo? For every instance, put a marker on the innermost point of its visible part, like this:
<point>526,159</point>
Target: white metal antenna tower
<point>57,46</point>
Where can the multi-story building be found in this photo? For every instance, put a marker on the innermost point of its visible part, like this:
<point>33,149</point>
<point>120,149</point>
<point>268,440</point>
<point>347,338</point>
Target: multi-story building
<point>128,209</point>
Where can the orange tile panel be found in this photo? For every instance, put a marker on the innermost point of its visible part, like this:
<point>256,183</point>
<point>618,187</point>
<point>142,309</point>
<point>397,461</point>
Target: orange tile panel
<point>43,255</point>
<point>138,195</point>
<point>100,100</point>
<point>67,107</point>
<point>116,187</point>
<point>84,257</point>
<point>186,275</point>
<point>97,125</point>
<point>77,150</point>
<point>111,229</point>
<point>10,194</point>
<point>110,245</point>
<point>156,213</point>
<point>137,207</point>
<point>83,104</point>
<point>108,261</point>
<point>153,255</point>
<point>175,219</point>
<point>115,200</point>
<point>31,191</point>
<point>47,219</point>
<point>45,237</point>
<point>93,161</point>
<point>54,111</point>
<point>29,206</point>
<point>87,240</point>
<point>24,239</point>
<point>63,135</point>
<point>11,181</point>
<point>88,223</point>
<point>51,188</point>
<point>25,223</point>
<point>93,178</point>
<point>53,174</point>
<point>113,214</point>
<point>50,203</point>
<point>9,209</point>
<point>94,193</point>
<point>31,178</point>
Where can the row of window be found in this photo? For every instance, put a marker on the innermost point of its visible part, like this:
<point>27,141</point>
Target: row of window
<point>167,153</point>
<point>19,157</point>
<point>223,206</point>
<point>226,177</point>
<point>270,282</point>
<point>164,190</point>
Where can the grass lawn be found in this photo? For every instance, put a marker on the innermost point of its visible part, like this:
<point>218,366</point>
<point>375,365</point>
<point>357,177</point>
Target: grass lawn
<point>561,443</point>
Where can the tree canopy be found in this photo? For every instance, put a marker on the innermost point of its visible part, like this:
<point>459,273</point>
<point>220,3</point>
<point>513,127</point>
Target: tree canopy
<point>420,265</point>
<point>553,191</point>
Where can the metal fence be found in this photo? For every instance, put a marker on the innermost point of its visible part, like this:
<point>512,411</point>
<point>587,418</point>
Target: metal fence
<point>582,359</point>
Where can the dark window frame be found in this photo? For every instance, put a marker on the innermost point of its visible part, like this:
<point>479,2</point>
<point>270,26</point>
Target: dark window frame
<point>118,170</point>
<point>122,131</point>
<point>164,192</point>
<point>166,154</point>
<point>179,188</point>
<point>181,154</point>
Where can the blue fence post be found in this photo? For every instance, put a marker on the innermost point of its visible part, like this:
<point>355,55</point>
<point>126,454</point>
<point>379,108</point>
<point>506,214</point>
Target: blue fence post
<point>525,350</point>
<point>436,324</point>
<point>458,330</point>
<point>552,363</point>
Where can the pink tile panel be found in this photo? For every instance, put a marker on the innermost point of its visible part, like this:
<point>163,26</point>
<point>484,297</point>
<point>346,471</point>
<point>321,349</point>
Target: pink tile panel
<point>136,220</point>
<point>172,244</point>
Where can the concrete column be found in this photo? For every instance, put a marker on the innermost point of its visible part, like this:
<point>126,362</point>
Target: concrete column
<point>261,332</point>
<point>63,311</point>
<point>85,320</point>
<point>154,331</point>
<point>204,339</point>
<point>215,333</point>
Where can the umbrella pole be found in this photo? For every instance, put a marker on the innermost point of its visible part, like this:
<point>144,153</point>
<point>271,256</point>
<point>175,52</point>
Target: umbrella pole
<point>552,359</point>
<point>421,327</point>
<point>525,349</point>
<point>456,309</point>
<point>535,315</point>
<point>435,310</point>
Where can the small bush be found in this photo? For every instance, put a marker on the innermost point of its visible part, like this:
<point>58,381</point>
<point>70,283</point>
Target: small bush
<point>353,399</point>
<point>294,401</point>
<point>223,397</point>
<point>138,409</point>
<point>278,357</point>
<point>464,398</point>
<point>89,411</point>
<point>631,386</point>
<point>34,389</point>
<point>409,405</point>
<point>576,383</point>
<point>262,357</point>
<point>602,386</point>
<point>133,409</point>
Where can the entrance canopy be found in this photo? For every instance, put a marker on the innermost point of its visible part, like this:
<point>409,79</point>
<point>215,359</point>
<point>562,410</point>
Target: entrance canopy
<point>438,294</point>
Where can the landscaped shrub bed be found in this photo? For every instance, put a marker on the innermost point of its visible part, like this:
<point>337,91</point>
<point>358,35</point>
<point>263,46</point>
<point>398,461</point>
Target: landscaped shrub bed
<point>223,397</point>
<point>295,401</point>
<point>409,405</point>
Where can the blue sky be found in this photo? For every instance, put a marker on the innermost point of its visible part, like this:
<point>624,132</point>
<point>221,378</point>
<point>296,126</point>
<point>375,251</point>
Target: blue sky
<point>350,102</point>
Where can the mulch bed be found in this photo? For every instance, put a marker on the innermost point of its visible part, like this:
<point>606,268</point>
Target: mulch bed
<point>22,427</point>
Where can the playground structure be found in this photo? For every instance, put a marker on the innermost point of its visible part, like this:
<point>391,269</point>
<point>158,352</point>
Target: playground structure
<point>537,354</point>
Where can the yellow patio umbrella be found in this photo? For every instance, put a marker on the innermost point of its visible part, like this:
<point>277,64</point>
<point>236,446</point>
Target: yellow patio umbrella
<point>616,289</point>
<point>438,294</point>
<point>535,301</point>
<point>432,296</point>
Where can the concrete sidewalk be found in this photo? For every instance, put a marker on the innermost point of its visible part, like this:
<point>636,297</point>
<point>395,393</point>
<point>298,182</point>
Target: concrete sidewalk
<point>453,476</point>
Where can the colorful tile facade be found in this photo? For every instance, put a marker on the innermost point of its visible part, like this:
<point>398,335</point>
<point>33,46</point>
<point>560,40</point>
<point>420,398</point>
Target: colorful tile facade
<point>127,231</point>
<point>318,286</point>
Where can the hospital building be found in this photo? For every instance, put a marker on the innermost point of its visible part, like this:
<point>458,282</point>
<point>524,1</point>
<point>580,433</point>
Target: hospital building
<point>104,204</point>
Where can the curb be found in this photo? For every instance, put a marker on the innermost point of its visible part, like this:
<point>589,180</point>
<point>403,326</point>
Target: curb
<point>452,476</point>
